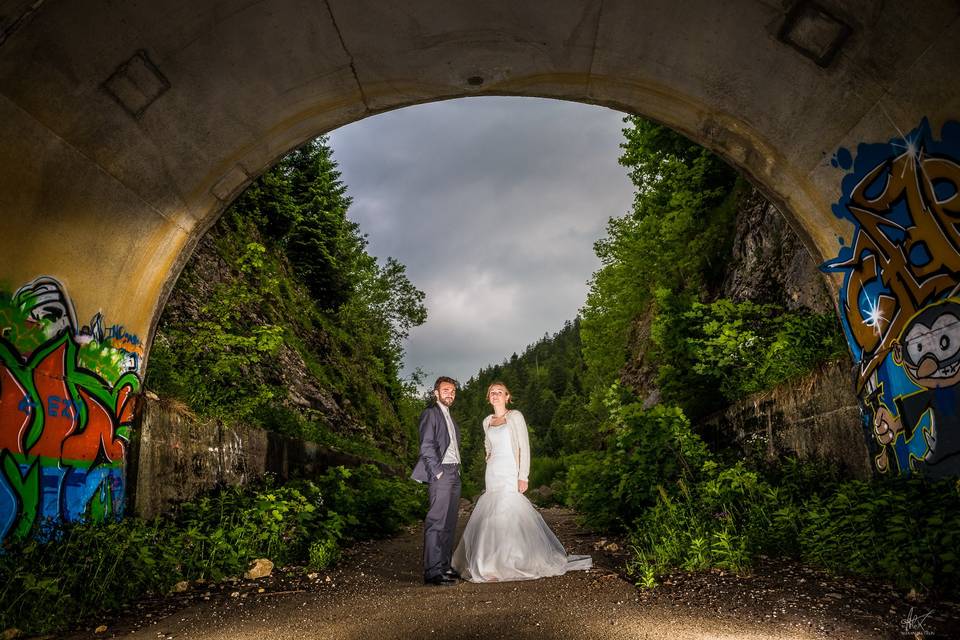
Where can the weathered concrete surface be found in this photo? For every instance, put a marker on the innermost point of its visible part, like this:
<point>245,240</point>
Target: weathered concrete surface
<point>127,127</point>
<point>814,418</point>
<point>176,456</point>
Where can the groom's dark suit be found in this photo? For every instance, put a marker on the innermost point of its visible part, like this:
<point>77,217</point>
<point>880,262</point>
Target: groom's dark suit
<point>441,521</point>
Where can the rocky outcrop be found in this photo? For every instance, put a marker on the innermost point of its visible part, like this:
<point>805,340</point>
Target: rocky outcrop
<point>305,394</point>
<point>814,418</point>
<point>639,373</point>
<point>769,263</point>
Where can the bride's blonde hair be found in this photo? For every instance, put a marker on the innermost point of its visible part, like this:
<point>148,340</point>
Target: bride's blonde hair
<point>497,383</point>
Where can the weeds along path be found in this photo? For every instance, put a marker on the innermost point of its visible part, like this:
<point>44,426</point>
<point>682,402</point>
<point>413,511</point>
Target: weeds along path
<point>376,592</point>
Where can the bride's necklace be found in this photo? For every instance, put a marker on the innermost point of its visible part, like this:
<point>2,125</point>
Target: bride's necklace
<point>501,415</point>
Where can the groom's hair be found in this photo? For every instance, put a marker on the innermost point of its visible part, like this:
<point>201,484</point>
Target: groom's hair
<point>442,379</point>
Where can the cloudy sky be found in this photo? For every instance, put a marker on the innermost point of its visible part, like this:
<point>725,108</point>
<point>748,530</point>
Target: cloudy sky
<point>494,205</point>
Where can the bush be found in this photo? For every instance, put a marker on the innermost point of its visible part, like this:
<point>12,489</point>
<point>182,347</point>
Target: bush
<point>372,506</point>
<point>83,568</point>
<point>903,531</point>
<point>738,348</point>
<point>590,487</point>
<point>550,473</point>
<point>647,448</point>
<point>683,508</point>
<point>323,553</point>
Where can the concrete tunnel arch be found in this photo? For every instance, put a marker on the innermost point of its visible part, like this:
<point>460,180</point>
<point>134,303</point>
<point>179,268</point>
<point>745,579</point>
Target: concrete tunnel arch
<point>126,129</point>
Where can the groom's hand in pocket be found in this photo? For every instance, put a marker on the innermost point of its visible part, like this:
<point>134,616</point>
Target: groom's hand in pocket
<point>522,486</point>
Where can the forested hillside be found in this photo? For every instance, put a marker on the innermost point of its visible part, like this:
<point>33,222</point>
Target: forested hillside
<point>670,318</point>
<point>282,319</point>
<point>703,298</point>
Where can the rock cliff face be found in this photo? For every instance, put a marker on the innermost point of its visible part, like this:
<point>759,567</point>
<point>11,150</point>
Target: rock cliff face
<point>639,373</point>
<point>817,417</point>
<point>208,270</point>
<point>769,263</point>
<point>814,418</point>
<point>315,376</point>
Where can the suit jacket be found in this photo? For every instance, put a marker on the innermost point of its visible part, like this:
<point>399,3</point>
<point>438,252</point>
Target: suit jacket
<point>434,441</point>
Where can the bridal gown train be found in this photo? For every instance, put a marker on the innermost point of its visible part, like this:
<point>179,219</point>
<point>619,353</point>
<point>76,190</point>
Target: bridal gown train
<point>506,537</point>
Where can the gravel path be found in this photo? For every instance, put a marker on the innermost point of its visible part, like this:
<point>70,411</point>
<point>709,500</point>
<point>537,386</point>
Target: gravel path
<point>376,592</point>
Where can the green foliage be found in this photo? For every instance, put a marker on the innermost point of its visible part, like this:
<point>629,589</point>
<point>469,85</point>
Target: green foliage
<point>217,364</point>
<point>544,470</point>
<point>647,449</point>
<point>546,383</point>
<point>735,349</point>
<point>296,285</point>
<point>84,569</point>
<point>550,473</point>
<point>685,509</point>
<point>385,306</point>
<point>374,506</point>
<point>591,482</point>
<point>323,554</point>
<point>665,259</point>
<point>675,237</point>
<point>323,246</point>
<point>903,531</point>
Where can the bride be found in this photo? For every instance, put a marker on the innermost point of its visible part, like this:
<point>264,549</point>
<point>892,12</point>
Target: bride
<point>506,538</point>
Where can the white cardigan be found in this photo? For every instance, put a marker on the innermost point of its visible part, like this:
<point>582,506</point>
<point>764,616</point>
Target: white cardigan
<point>518,439</point>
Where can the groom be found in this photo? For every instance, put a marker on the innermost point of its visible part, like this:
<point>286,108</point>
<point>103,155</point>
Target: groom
<point>439,465</point>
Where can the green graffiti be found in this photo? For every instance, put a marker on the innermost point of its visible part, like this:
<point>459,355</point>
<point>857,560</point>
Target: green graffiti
<point>101,507</point>
<point>27,490</point>
<point>101,359</point>
<point>67,399</point>
<point>18,327</point>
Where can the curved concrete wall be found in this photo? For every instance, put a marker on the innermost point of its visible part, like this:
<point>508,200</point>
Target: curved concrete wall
<point>125,128</point>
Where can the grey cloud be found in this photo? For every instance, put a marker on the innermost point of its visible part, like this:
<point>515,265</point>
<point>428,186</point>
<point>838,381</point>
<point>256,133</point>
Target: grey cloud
<point>493,204</point>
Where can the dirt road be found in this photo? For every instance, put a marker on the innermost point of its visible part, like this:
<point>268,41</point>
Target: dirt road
<point>376,592</point>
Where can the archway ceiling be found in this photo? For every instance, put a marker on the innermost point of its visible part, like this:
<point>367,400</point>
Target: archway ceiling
<point>151,146</point>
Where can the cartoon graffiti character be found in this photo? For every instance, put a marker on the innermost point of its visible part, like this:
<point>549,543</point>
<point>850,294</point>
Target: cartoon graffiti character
<point>928,350</point>
<point>47,304</point>
<point>46,301</point>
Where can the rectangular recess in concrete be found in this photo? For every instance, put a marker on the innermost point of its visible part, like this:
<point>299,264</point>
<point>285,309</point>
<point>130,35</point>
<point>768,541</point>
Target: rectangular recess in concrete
<point>814,32</point>
<point>136,84</point>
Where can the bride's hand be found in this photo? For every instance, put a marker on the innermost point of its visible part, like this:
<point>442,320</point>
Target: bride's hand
<point>522,486</point>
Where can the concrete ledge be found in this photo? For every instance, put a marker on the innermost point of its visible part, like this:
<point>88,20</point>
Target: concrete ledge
<point>813,418</point>
<point>176,456</point>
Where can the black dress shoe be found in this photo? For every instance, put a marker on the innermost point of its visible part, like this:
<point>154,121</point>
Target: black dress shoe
<point>451,574</point>
<point>440,580</point>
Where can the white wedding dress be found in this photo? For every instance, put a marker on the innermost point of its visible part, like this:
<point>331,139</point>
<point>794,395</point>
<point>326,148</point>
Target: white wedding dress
<point>506,537</point>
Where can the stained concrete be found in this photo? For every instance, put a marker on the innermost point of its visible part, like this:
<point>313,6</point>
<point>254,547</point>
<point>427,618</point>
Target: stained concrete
<point>176,456</point>
<point>127,127</point>
<point>814,418</point>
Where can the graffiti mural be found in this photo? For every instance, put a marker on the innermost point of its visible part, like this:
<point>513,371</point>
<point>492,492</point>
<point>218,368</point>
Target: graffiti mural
<point>900,300</point>
<point>67,396</point>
